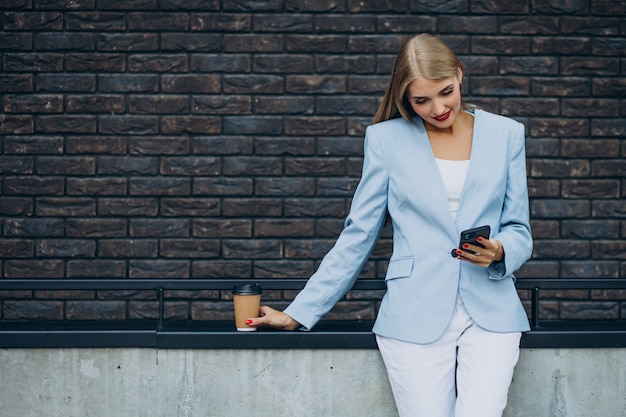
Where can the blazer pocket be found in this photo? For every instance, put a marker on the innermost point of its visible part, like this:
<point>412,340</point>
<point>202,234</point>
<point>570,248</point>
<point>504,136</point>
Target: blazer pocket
<point>399,268</point>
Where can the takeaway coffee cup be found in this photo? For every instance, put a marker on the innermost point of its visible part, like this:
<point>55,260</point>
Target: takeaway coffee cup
<point>247,301</point>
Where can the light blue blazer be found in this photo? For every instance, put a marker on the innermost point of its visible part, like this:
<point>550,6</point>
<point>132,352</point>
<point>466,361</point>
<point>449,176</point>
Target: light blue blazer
<point>400,176</point>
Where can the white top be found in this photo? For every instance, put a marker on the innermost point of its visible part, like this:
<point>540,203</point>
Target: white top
<point>453,174</point>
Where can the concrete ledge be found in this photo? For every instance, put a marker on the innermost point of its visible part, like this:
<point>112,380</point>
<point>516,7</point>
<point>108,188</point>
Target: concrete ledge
<point>278,382</point>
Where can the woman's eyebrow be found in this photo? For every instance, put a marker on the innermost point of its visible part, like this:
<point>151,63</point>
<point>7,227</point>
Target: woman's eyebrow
<point>441,91</point>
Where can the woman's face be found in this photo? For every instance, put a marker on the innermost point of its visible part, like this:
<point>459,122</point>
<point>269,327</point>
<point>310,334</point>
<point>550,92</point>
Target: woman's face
<point>436,102</point>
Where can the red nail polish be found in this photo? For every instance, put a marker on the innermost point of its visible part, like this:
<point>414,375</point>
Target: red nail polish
<point>459,252</point>
<point>479,239</point>
<point>248,321</point>
<point>465,246</point>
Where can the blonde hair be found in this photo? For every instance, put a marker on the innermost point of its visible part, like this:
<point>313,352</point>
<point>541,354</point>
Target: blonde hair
<point>424,56</point>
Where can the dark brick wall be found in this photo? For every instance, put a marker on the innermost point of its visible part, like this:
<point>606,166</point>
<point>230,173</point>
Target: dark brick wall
<point>199,138</point>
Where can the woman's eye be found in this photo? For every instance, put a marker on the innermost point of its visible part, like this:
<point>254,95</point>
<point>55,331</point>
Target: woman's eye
<point>445,93</point>
<point>419,101</point>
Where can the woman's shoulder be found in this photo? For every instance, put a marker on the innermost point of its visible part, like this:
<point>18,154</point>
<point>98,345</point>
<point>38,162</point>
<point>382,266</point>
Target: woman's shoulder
<point>396,124</point>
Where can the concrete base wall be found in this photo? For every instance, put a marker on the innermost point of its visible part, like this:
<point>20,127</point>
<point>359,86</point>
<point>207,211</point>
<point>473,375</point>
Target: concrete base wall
<point>276,383</point>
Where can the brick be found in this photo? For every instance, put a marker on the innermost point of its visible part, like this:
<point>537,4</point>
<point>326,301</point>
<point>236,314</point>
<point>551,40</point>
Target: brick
<point>33,145</point>
<point>468,24</point>
<point>598,148</point>
<point>16,165</point>
<point>275,23</point>
<point>132,42</point>
<point>553,209</point>
<point>543,188</point>
<point>158,63</point>
<point>16,206</point>
<point>559,127</point>
<point>158,228</point>
<point>221,22</point>
<point>560,45</point>
<point>189,248</point>
<point>158,269</point>
<point>316,84</point>
<point>96,186</point>
<point>37,62</point>
<point>232,228</point>
<point>96,268</point>
<point>283,269</point>
<point>65,124</point>
<point>58,4</point>
<point>609,209</point>
<point>158,104</point>
<point>242,207</point>
<point>524,107</point>
<point>66,207</point>
<point>65,248</point>
<point>336,187</point>
<point>283,228</point>
<point>609,87</point>
<point>543,269</point>
<point>590,269</point>
<point>374,44</point>
<point>608,168</point>
<point>590,229</point>
<point>147,21</point>
<point>33,185</point>
<point>40,268</point>
<point>127,4</point>
<point>223,63</point>
<point>560,7</point>
<point>95,21</point>
<point>608,127</point>
<point>32,21</point>
<point>500,45</point>
<point>252,166</point>
<point>545,229</point>
<point>319,207</point>
<point>366,84</point>
<point>95,145</point>
<point>127,166</point>
<point>314,166</point>
<point>33,104</point>
<point>252,5</point>
<point>433,6</point>
<point>591,67</point>
<point>345,64</point>
<point>590,189</point>
<point>307,249</point>
<point>190,166</point>
<point>128,248</point>
<point>609,47</point>
<point>222,186</point>
<point>29,227</point>
<point>221,105</point>
<point>252,43</point>
<point>265,187</point>
<point>196,84</point>
<point>31,310</point>
<point>529,66</point>
<point>105,62</point>
<point>247,125</point>
<point>190,124</point>
<point>107,103</point>
<point>403,24</point>
<point>529,25</point>
<point>65,42</point>
<point>16,42</point>
<point>190,42</point>
<point>543,147</point>
<point>500,86</point>
<point>314,126</point>
<point>561,249</point>
<point>128,83</point>
<point>594,26</point>
<point>282,105</point>
<point>58,165</point>
<point>347,105</point>
<point>96,310</point>
<point>284,146</point>
<point>159,186</point>
<point>356,6</point>
<point>16,248</point>
<point>314,6</point>
<point>222,269</point>
<point>159,146</point>
<point>128,125</point>
<point>96,228</point>
<point>251,249</point>
<point>16,83</point>
<point>128,206</point>
<point>561,86</point>
<point>66,83</point>
<point>362,24</point>
<point>499,7</point>
<point>16,124</point>
<point>192,207</point>
<point>222,145</point>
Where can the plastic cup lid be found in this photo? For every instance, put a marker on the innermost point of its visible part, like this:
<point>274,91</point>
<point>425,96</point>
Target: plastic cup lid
<point>247,289</point>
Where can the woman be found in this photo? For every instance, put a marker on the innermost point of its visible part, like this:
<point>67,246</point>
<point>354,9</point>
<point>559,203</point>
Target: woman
<point>448,327</point>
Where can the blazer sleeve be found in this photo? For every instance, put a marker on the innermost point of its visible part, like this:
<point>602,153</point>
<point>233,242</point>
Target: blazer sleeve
<point>341,266</point>
<point>514,232</point>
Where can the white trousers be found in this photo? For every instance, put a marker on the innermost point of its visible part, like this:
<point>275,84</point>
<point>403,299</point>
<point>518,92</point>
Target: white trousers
<point>465,373</point>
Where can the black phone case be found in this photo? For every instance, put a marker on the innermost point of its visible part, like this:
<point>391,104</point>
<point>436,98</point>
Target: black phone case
<point>470,235</point>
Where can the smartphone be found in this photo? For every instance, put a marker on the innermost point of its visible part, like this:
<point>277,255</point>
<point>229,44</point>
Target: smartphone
<point>470,236</point>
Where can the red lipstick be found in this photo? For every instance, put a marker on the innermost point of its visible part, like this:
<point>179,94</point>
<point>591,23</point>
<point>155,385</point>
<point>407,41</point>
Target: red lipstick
<point>443,116</point>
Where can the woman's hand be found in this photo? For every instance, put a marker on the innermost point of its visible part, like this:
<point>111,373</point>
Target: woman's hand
<point>273,318</point>
<point>492,252</point>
